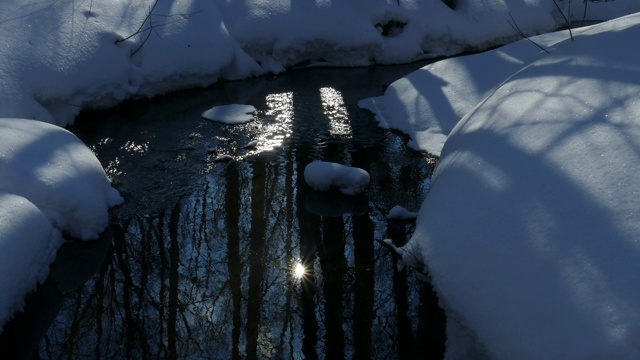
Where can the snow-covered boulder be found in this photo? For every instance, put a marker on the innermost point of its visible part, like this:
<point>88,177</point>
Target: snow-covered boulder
<point>322,176</point>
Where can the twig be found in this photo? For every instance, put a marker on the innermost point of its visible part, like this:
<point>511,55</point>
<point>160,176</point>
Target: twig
<point>564,17</point>
<point>515,27</point>
<point>151,26</point>
<point>148,17</point>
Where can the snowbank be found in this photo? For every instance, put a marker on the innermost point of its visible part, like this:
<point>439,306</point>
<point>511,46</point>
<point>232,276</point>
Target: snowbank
<point>60,175</point>
<point>428,103</point>
<point>28,244</point>
<point>58,57</point>
<point>50,183</point>
<point>530,231</point>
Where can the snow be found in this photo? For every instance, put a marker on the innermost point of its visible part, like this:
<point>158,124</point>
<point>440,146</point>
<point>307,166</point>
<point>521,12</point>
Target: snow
<point>429,102</point>
<point>230,114</point>
<point>323,176</point>
<point>545,155</point>
<point>142,48</point>
<point>530,231</point>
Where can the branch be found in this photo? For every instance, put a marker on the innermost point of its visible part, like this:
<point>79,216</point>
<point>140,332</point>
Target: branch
<point>564,17</point>
<point>151,26</point>
<point>515,27</point>
<point>148,17</point>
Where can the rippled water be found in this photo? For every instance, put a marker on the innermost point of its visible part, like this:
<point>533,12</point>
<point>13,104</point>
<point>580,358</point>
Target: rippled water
<point>240,259</point>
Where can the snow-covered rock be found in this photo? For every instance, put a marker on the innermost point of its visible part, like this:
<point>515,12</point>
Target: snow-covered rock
<point>230,114</point>
<point>322,176</point>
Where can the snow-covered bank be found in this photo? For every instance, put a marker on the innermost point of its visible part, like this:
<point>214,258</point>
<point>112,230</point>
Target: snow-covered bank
<point>50,183</point>
<point>28,244</point>
<point>530,231</point>
<point>58,57</point>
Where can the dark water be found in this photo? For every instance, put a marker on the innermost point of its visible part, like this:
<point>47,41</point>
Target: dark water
<point>199,261</point>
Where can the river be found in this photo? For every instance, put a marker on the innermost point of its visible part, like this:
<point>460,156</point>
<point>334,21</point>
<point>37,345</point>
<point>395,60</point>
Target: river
<point>199,263</point>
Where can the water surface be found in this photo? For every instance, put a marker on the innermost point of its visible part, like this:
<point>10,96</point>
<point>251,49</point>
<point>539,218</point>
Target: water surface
<point>203,256</point>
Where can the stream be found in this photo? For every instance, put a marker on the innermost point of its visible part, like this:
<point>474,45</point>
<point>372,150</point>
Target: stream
<point>200,262</point>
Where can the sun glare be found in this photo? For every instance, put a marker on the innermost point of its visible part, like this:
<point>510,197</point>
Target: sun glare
<point>299,271</point>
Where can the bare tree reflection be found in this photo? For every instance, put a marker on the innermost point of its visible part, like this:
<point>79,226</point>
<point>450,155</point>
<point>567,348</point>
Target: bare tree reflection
<point>210,275</point>
<point>232,220</point>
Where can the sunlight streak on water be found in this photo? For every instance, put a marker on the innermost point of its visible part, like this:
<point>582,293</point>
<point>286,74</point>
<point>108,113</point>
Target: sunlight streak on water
<point>336,112</point>
<point>278,120</point>
<point>131,147</point>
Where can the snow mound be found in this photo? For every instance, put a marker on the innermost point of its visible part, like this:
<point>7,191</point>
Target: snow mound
<point>322,176</point>
<point>230,114</point>
<point>54,170</point>
<point>28,245</point>
<point>530,231</point>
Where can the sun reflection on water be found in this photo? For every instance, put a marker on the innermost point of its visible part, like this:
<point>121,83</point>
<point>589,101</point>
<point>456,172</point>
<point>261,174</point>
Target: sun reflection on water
<point>299,271</point>
<point>336,112</point>
<point>280,114</point>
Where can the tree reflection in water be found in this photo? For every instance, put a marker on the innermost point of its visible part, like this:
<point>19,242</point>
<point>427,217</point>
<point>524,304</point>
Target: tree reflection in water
<point>210,276</point>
